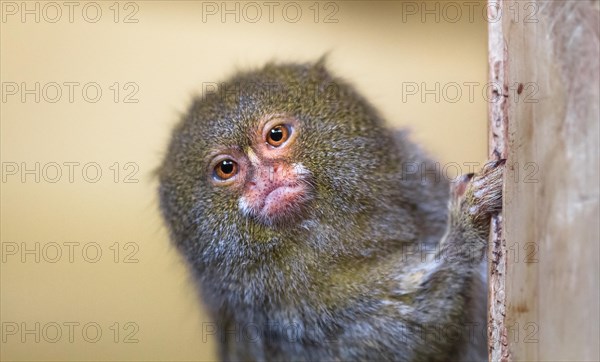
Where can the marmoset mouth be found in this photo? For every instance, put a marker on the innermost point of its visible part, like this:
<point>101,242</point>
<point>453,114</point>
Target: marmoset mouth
<point>282,198</point>
<point>276,192</point>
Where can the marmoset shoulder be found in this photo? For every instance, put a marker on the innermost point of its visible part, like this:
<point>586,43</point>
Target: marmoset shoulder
<point>316,232</point>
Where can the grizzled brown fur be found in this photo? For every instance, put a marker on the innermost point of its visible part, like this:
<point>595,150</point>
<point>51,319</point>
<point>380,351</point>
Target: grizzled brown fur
<point>374,268</point>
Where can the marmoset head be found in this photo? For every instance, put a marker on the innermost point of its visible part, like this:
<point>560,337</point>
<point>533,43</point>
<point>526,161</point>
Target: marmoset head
<point>272,152</point>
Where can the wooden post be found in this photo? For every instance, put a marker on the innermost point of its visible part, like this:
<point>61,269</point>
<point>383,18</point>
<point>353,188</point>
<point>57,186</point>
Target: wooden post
<point>544,272</point>
<point>498,113</point>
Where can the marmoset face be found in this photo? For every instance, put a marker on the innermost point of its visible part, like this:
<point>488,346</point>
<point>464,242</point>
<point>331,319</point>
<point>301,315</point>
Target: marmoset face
<point>271,184</point>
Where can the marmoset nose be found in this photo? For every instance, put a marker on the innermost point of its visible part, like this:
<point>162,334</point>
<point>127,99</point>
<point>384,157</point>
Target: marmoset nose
<point>272,173</point>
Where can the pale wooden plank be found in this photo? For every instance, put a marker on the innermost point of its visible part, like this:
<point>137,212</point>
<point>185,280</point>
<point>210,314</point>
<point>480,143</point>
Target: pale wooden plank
<point>550,279</point>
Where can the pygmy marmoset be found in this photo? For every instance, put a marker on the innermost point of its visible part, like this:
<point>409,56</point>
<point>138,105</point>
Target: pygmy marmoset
<point>313,233</point>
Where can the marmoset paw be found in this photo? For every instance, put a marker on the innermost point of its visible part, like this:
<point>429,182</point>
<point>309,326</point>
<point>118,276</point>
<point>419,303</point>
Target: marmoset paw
<point>484,192</point>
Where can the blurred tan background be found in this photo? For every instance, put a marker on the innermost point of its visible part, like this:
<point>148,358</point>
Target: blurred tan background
<point>87,269</point>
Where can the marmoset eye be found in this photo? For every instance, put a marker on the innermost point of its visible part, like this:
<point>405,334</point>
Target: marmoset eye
<point>226,169</point>
<point>278,135</point>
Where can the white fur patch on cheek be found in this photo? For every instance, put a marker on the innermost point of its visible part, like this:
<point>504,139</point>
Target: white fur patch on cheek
<point>299,169</point>
<point>244,206</point>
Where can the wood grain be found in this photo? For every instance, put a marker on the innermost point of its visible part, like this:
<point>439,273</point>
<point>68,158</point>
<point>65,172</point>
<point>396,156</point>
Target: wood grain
<point>544,253</point>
